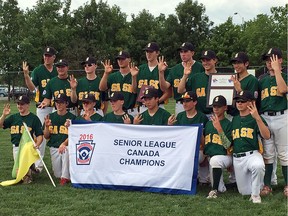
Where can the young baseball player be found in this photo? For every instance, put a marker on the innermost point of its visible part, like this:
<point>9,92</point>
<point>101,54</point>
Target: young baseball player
<point>187,51</point>
<point>89,114</point>
<point>247,160</point>
<point>88,84</point>
<point>15,123</point>
<point>40,76</point>
<point>57,135</point>
<point>273,89</point>
<point>118,115</point>
<point>218,139</point>
<point>59,85</point>
<point>154,115</point>
<point>120,81</point>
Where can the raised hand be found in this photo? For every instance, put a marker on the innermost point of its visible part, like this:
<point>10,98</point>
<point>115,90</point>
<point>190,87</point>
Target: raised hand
<point>25,68</point>
<point>6,110</point>
<point>162,64</point>
<point>73,82</point>
<point>188,67</point>
<point>216,122</point>
<point>172,120</point>
<point>237,84</point>
<point>253,110</point>
<point>137,119</point>
<point>126,119</point>
<point>108,68</point>
<point>275,64</point>
<point>133,69</point>
<point>47,121</point>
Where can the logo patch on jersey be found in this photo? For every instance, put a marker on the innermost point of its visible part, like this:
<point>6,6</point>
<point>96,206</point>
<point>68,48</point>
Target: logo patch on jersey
<point>44,92</point>
<point>84,152</point>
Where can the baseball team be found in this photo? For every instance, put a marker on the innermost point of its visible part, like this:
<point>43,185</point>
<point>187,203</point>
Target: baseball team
<point>246,139</point>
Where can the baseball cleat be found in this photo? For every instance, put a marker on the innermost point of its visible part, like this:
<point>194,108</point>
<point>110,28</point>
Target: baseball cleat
<point>255,199</point>
<point>212,194</point>
<point>266,190</point>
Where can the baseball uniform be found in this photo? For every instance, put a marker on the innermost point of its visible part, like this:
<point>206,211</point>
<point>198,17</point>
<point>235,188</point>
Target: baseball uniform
<point>94,117</point>
<point>112,118</point>
<point>159,118</point>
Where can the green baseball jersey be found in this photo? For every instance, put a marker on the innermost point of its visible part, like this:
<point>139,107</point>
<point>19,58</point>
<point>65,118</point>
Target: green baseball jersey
<point>176,73</point>
<point>94,117</point>
<point>112,118</point>
<point>198,83</point>
<point>213,143</point>
<point>270,100</point>
<point>199,118</point>
<point>89,86</point>
<point>57,129</point>
<point>40,76</point>
<point>57,86</point>
<point>15,123</point>
<point>159,118</point>
<point>148,77</point>
<point>245,133</point>
<point>117,82</point>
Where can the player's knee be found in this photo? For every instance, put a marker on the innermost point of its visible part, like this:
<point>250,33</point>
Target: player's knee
<point>214,162</point>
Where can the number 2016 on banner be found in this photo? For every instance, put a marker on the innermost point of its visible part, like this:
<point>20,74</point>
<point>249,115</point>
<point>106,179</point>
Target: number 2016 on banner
<point>86,137</point>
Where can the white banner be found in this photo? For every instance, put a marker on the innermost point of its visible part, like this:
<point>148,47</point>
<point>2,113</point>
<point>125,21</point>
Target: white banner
<point>134,157</point>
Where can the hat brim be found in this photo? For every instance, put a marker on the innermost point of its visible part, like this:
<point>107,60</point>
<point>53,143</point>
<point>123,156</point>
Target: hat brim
<point>61,64</point>
<point>219,104</point>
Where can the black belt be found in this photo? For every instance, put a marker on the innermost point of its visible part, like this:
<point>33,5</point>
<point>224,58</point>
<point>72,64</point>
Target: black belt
<point>243,154</point>
<point>272,113</point>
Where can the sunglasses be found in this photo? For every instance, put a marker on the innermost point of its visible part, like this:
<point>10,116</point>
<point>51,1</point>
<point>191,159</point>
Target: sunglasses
<point>183,51</point>
<point>88,65</point>
<point>241,101</point>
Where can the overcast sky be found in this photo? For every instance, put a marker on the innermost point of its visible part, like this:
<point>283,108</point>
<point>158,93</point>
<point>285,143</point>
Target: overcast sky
<point>217,10</point>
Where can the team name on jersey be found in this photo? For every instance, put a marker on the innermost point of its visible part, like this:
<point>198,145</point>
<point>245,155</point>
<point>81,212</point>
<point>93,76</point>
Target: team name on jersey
<point>153,83</point>
<point>243,132</point>
<point>215,139</point>
<point>44,82</point>
<point>269,92</point>
<point>97,95</point>
<point>58,130</point>
<point>125,88</point>
<point>15,129</point>
<point>176,83</point>
<point>200,92</point>
<point>67,92</point>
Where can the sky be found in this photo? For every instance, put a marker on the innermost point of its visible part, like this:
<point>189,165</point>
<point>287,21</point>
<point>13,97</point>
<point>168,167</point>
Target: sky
<point>218,11</point>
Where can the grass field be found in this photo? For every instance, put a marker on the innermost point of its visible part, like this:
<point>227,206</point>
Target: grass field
<point>41,198</point>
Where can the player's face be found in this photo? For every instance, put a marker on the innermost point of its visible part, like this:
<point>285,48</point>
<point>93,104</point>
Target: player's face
<point>62,71</point>
<point>151,55</point>
<point>242,105</point>
<point>240,67</point>
<point>209,64</point>
<point>188,104</point>
<point>90,68</point>
<point>22,107</point>
<point>186,55</point>
<point>219,111</point>
<point>61,106</point>
<point>151,103</point>
<point>123,63</point>
<point>88,105</point>
<point>116,105</point>
<point>48,59</point>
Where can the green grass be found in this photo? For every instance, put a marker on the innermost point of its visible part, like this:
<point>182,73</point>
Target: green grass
<point>41,198</point>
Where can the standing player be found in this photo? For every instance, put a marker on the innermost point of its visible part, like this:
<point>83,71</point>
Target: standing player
<point>59,85</point>
<point>39,78</point>
<point>217,142</point>
<point>15,124</point>
<point>274,110</point>
<point>57,135</point>
<point>120,81</point>
<point>88,84</point>
<point>248,162</point>
<point>187,51</point>
<point>154,115</point>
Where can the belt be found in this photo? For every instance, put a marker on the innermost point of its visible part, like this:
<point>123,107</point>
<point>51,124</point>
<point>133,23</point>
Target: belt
<point>242,154</point>
<point>272,113</point>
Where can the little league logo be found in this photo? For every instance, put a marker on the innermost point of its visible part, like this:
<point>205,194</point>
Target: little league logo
<point>84,152</point>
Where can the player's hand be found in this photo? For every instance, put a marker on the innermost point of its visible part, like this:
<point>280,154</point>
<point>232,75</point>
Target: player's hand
<point>237,84</point>
<point>108,68</point>
<point>253,110</point>
<point>43,105</point>
<point>6,110</point>
<point>275,64</point>
<point>62,148</point>
<point>47,121</point>
<point>67,123</point>
<point>216,123</point>
<point>172,120</point>
<point>138,118</point>
<point>126,119</point>
<point>133,69</point>
<point>187,67</point>
<point>73,82</point>
<point>25,68</point>
<point>162,64</point>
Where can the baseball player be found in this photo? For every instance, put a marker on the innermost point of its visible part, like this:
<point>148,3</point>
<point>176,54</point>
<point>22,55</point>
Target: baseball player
<point>187,51</point>
<point>154,115</point>
<point>242,80</point>
<point>89,114</point>
<point>15,123</point>
<point>59,85</point>
<point>118,115</point>
<point>88,84</point>
<point>39,78</point>
<point>247,160</point>
<point>218,139</point>
<point>273,89</point>
<point>120,81</point>
<point>57,135</point>
<point>148,75</point>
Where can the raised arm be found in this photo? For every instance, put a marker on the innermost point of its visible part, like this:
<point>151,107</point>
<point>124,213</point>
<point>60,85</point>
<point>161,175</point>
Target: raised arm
<point>162,66</point>
<point>27,78</point>
<point>108,68</point>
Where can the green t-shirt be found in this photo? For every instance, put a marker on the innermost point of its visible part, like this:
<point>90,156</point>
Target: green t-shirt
<point>15,123</point>
<point>245,133</point>
<point>94,117</point>
<point>213,143</point>
<point>58,131</point>
<point>112,118</point>
<point>199,118</point>
<point>176,73</point>
<point>159,118</point>
<point>40,76</point>
<point>270,101</point>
